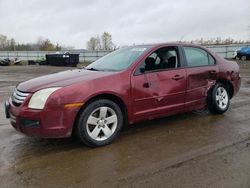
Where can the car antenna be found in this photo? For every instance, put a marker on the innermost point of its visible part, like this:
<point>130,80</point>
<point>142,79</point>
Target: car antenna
<point>182,37</point>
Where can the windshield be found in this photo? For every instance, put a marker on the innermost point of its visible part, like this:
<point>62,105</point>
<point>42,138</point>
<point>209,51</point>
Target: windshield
<point>117,60</point>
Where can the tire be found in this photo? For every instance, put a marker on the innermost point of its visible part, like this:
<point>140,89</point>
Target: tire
<point>218,99</point>
<point>99,123</point>
<point>244,58</point>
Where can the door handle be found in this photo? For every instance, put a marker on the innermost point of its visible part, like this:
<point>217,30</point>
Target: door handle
<point>213,72</point>
<point>177,77</point>
<point>146,85</point>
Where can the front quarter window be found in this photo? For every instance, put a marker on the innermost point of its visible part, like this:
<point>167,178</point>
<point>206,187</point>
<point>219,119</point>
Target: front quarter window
<point>118,60</point>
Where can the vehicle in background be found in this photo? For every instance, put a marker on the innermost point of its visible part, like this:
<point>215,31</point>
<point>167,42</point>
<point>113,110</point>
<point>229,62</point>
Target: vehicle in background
<point>17,61</point>
<point>243,54</point>
<point>41,61</point>
<point>235,54</point>
<point>126,86</point>
<point>5,62</point>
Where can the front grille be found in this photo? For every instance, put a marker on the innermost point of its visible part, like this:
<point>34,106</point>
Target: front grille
<point>19,97</point>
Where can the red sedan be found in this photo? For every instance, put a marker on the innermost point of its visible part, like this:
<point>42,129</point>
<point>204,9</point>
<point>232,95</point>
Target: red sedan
<point>129,85</point>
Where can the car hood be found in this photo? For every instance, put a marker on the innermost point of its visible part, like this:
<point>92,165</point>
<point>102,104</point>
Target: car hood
<point>61,79</point>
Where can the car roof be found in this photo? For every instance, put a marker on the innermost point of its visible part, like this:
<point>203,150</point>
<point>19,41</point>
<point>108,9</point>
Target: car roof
<point>167,44</point>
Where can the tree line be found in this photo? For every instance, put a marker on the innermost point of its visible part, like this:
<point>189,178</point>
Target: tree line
<point>99,42</point>
<point>103,42</point>
<point>42,44</point>
<point>219,41</point>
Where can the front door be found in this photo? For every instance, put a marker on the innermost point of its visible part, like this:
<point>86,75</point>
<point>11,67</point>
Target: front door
<point>159,84</point>
<point>145,93</point>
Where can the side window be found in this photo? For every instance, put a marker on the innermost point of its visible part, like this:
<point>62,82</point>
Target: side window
<point>197,57</point>
<point>211,60</point>
<point>161,59</point>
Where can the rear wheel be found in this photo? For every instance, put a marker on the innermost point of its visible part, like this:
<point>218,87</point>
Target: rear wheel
<point>218,99</point>
<point>99,123</point>
<point>244,58</point>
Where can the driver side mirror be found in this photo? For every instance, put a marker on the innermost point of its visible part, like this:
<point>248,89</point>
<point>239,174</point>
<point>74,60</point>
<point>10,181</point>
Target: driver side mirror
<point>142,70</point>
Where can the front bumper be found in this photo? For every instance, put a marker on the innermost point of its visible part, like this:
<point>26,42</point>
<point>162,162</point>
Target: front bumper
<point>51,122</point>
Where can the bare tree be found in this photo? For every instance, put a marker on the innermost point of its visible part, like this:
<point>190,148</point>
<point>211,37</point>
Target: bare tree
<point>107,43</point>
<point>94,43</point>
<point>101,43</point>
<point>12,44</point>
<point>3,41</point>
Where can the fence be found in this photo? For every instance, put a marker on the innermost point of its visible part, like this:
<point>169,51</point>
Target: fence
<point>85,56</point>
<point>225,51</point>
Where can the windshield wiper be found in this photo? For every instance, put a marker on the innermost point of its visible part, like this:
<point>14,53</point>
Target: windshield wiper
<point>92,69</point>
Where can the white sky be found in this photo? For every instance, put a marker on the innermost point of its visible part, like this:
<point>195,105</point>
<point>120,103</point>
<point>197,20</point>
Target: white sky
<point>73,22</point>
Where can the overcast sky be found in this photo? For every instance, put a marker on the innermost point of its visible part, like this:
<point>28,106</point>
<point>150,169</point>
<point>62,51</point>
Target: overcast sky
<point>73,22</point>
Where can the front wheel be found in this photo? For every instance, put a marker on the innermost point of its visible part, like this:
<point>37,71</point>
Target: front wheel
<point>99,123</point>
<point>218,99</point>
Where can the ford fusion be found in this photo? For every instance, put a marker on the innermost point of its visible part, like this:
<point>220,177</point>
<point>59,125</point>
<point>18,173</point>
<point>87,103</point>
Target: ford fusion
<point>126,86</point>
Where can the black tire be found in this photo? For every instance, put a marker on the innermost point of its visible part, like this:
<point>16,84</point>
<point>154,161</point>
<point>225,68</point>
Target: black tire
<point>244,58</point>
<point>214,105</point>
<point>82,129</point>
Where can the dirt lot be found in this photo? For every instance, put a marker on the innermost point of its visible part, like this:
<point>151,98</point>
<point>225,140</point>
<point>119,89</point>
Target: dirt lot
<point>190,150</point>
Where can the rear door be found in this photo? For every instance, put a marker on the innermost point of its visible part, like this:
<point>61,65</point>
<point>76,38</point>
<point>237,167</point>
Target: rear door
<point>201,75</point>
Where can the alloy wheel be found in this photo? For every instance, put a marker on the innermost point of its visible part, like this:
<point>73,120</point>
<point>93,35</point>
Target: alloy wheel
<point>222,98</point>
<point>102,123</point>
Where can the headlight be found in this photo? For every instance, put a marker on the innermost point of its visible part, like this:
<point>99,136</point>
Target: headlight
<point>40,97</point>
